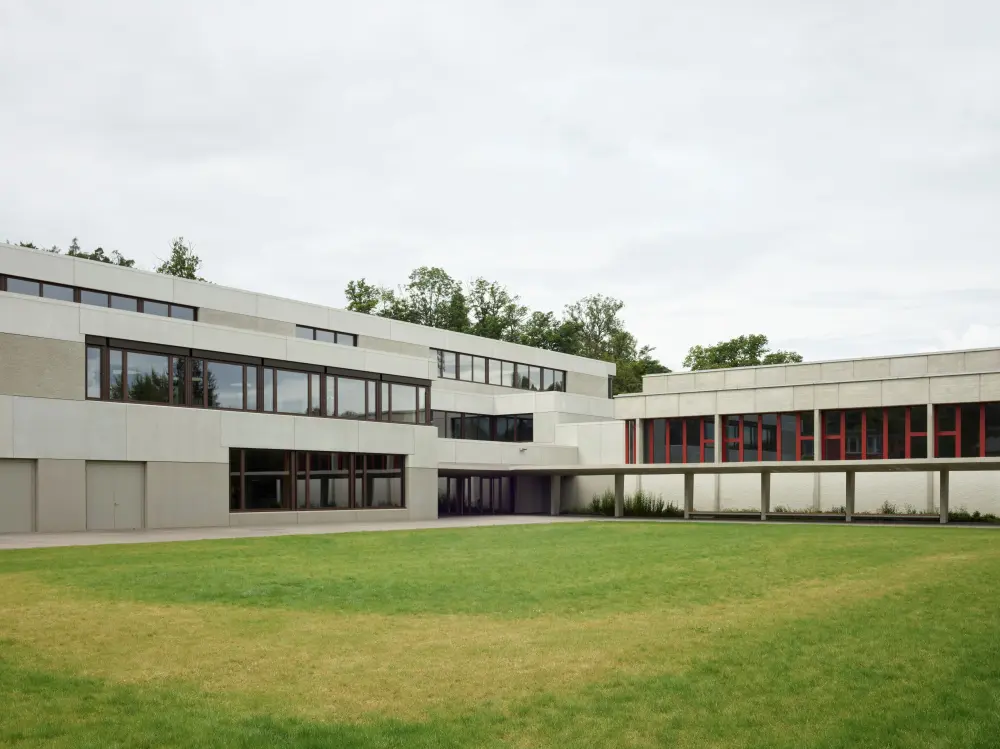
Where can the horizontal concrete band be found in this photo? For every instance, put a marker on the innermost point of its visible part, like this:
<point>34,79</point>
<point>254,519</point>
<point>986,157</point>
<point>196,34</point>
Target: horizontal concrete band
<point>820,466</point>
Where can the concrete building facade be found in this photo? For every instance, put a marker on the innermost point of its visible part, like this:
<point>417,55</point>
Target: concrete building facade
<point>135,400</point>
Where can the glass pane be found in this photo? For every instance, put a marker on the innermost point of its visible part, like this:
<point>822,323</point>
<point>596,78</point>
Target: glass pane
<point>440,420</point>
<point>331,395</point>
<point>93,372</point>
<point>535,375</point>
<point>525,428</point>
<point>918,447</point>
<point>769,437</point>
<point>970,430</point>
<point>676,428</point>
<point>179,311</point>
<point>180,392</point>
<point>347,339</point>
<point>897,433</point>
<point>385,481</point>
<point>945,418</point>
<point>559,381</point>
<point>268,389</point>
<point>326,336</point>
<point>251,388</point>
<point>117,377</point>
<point>732,454</point>
<point>197,382</point>
<point>992,430</point>
<point>946,446</point>
<point>659,447</point>
<point>546,379</point>
<point>384,404</point>
<point>155,308</point>
<point>732,425</point>
<point>225,385</point>
<point>478,369</point>
<point>831,423</point>
<point>148,378</point>
<point>268,480</point>
<point>359,481</point>
<point>421,405</point>
<point>521,379</point>
<point>437,355</point>
<point>709,454</point>
<point>127,303</point>
<point>808,449</point>
<point>449,365</point>
<point>20,286</point>
<point>454,426</point>
<point>329,477</point>
<point>806,425</point>
<point>505,428</point>
<point>918,419</point>
<point>303,332</point>
<point>873,434</point>
<point>789,435</point>
<point>95,298</point>
<point>315,395</point>
<point>470,429</point>
<point>483,428</point>
<point>852,435</point>
<point>495,373</point>
<point>293,392</point>
<point>693,434</point>
<point>750,437</point>
<point>709,429</point>
<point>464,367</point>
<point>831,449</point>
<point>52,291</point>
<point>350,398</point>
<point>372,405</point>
<point>507,374</point>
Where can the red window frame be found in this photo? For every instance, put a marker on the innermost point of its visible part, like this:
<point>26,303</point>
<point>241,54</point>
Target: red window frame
<point>839,436</point>
<point>630,452</point>
<point>737,441</point>
<point>957,431</point>
<point>703,442</point>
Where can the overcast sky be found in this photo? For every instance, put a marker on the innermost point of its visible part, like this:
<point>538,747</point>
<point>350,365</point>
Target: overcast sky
<point>827,173</point>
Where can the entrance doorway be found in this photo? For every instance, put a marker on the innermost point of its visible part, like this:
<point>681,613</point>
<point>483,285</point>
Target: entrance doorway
<point>475,495</point>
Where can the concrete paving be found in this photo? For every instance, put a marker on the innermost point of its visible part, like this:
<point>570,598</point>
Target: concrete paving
<point>97,538</point>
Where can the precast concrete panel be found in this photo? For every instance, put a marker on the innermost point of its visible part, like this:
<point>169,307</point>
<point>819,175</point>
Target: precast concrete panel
<point>17,491</point>
<point>115,495</point>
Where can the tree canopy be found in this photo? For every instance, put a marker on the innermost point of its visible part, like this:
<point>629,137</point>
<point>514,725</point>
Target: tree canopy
<point>742,351</point>
<point>591,327</point>
<point>182,263</point>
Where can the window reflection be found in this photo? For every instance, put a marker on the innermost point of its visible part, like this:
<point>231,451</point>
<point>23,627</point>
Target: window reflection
<point>292,392</point>
<point>54,291</point>
<point>148,378</point>
<point>93,372</point>
<point>225,385</point>
<point>350,398</point>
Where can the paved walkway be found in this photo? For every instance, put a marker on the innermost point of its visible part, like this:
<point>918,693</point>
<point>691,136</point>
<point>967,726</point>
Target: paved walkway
<point>96,538</point>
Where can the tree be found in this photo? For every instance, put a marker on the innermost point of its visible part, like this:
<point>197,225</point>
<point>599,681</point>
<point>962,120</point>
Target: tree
<point>432,298</point>
<point>182,263</point>
<point>742,351</point>
<point>365,297</point>
<point>545,331</point>
<point>496,313</point>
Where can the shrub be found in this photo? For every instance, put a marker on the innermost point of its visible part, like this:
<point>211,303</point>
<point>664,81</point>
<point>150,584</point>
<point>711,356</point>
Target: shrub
<point>642,504</point>
<point>888,508</point>
<point>961,515</point>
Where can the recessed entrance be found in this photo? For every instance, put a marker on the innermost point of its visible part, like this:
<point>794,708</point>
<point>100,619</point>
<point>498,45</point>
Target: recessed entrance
<point>475,495</point>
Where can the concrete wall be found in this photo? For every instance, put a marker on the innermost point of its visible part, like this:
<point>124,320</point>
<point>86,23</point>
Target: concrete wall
<point>187,495</point>
<point>42,367</point>
<point>61,495</point>
<point>246,322</point>
<point>17,490</point>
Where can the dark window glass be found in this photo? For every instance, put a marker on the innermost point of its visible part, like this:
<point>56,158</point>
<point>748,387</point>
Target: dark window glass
<point>93,372</point>
<point>535,377</point>
<point>522,381</point>
<point>709,429</point>
<point>372,406</point>
<point>478,369</point>
<point>178,310</point>
<point>225,385</point>
<point>693,427</point>
<point>470,427</point>
<point>831,450</point>
<point>525,428</point>
<point>440,420</point>
<point>148,377</point>
<point>873,434</point>
<point>155,308</point>
<point>268,480</point>
<point>329,481</point>
<point>659,440</point>
<point>464,367</point>
<point>301,331</point>
<point>178,363</point>
<point>750,437</point>
<point>326,336</point>
<point>769,437</point>
<point>495,373</point>
<point>709,454</point>
<point>992,430</point>
<point>350,397</point>
<point>789,434</point>
<point>422,404</point>
<point>93,298</point>
<point>315,396</point>
<point>945,418</point>
<point>234,478</point>
<point>404,403</point>
<point>732,427</point>
<point>970,430</point>
<point>676,427</point>
<point>852,435</point>
<point>808,449</point>
<point>559,381</point>
<point>454,426</point>
<point>20,286</point>
<point>293,392</point>
<point>918,447</point>
<point>507,374</point>
<point>438,356</point>
<point>505,426</point>
<point>732,453</point>
<point>347,339</point>
<point>546,379</point>
<point>384,484</point>
<point>197,382</point>
<point>946,447</point>
<point>251,388</point>
<point>807,425</point>
<point>918,419</point>
<point>359,480</point>
<point>611,386</point>
<point>449,365</point>
<point>268,389</point>
<point>53,291</point>
<point>831,423</point>
<point>896,418</point>
<point>127,303</point>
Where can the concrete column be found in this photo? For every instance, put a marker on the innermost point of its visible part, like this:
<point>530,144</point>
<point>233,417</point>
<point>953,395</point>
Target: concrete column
<point>555,494</point>
<point>931,441</point>
<point>765,494</point>
<point>619,495</point>
<point>720,445</point>
<point>851,476</point>
<point>945,481</point>
<point>817,455</point>
<point>688,495</point>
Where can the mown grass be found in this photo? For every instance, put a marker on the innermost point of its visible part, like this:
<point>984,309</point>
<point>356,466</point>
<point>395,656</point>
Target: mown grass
<point>565,635</point>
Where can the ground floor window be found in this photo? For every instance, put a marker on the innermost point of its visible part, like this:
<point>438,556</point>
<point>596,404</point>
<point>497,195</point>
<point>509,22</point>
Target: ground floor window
<point>261,480</point>
<point>475,495</point>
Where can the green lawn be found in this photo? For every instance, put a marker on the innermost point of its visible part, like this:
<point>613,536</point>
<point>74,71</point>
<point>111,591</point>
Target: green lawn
<point>567,635</point>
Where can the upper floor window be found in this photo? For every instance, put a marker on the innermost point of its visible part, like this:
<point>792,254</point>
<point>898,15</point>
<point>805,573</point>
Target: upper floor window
<point>690,440</point>
<point>897,432</point>
<point>463,426</point>
<point>768,437</point>
<point>967,430</point>
<point>326,336</point>
<point>468,368</point>
<point>95,298</point>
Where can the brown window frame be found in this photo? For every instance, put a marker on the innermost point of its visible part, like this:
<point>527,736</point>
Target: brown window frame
<point>515,366</point>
